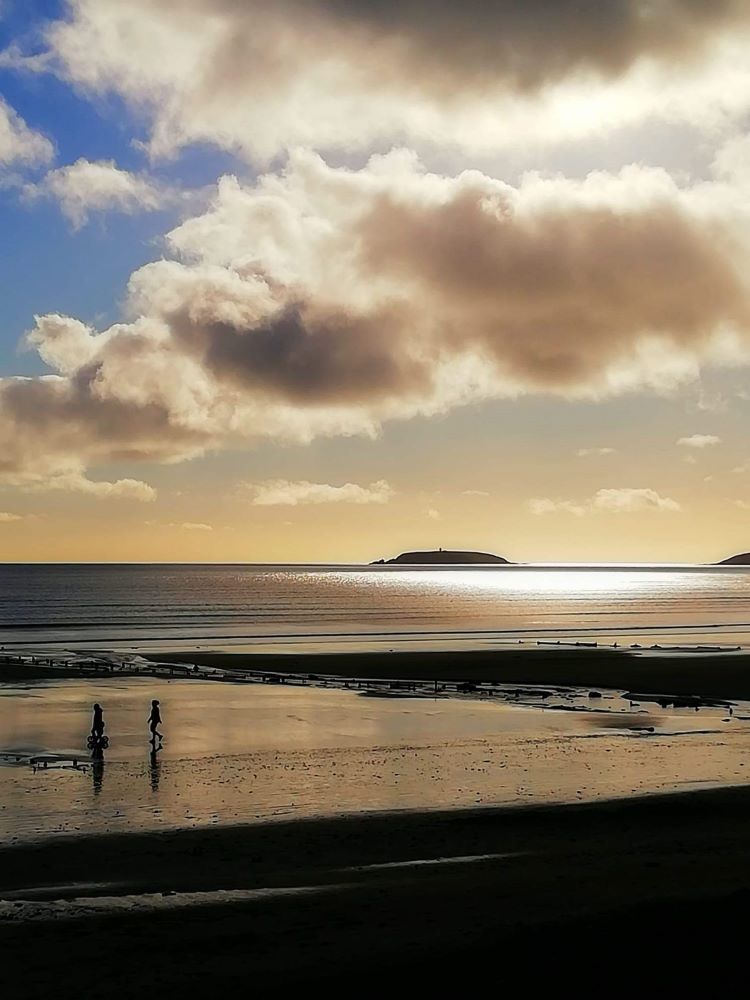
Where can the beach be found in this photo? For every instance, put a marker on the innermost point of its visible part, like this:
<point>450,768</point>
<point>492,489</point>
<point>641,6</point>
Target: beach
<point>300,834</point>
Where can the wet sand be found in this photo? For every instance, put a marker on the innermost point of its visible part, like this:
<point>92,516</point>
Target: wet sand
<point>238,753</point>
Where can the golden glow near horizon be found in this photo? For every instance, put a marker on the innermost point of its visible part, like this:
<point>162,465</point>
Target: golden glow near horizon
<point>479,282</point>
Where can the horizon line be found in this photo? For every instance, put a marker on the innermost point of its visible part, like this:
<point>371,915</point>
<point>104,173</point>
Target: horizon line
<point>381,565</point>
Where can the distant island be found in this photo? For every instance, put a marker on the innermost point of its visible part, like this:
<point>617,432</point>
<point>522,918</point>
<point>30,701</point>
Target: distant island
<point>442,557</point>
<point>743,559</point>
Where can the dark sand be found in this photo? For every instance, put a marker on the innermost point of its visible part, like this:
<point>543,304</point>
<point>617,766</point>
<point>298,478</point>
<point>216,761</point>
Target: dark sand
<point>639,891</point>
<point>721,675</point>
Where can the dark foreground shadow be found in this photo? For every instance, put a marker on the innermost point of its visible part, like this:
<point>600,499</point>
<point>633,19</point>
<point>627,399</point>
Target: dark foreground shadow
<point>579,900</point>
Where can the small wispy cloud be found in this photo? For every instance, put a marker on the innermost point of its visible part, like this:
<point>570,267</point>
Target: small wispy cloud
<point>434,515</point>
<point>615,501</point>
<point>285,493</point>
<point>475,493</point>
<point>7,518</point>
<point>544,505</point>
<point>87,186</point>
<point>21,146</point>
<point>699,441</point>
<point>591,452</point>
<point>180,525</point>
<point>711,402</point>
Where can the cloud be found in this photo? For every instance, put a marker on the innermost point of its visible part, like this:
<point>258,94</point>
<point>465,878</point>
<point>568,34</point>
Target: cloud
<point>434,515</point>
<point>633,500</point>
<point>6,518</point>
<point>616,501</point>
<point>14,58</point>
<point>192,526</point>
<point>283,493</point>
<point>475,493</point>
<point>73,481</point>
<point>327,301</point>
<point>121,489</point>
<point>19,144</point>
<point>543,505</point>
<point>477,74</point>
<point>742,504</point>
<point>85,187</point>
<point>589,452</point>
<point>699,441</point>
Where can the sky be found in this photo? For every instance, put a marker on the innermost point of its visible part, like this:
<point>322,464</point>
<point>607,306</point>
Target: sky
<point>324,280</point>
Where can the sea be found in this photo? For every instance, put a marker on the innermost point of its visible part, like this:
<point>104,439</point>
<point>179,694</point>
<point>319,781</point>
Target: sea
<point>295,608</point>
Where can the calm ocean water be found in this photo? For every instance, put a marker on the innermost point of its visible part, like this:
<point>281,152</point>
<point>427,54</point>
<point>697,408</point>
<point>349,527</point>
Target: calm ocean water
<point>322,607</point>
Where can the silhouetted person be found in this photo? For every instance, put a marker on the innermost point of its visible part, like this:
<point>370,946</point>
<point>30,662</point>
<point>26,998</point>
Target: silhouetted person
<point>97,725</point>
<point>154,720</point>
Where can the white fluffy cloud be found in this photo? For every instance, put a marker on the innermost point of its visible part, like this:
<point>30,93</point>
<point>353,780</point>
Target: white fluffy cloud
<point>120,489</point>
<point>615,501</point>
<point>633,500</point>
<point>699,441</point>
<point>86,187</point>
<point>19,144</point>
<point>283,493</point>
<point>326,301</point>
<point>74,481</point>
<point>265,75</point>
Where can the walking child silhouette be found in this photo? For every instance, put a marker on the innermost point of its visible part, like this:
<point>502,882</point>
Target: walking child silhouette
<point>154,721</point>
<point>97,724</point>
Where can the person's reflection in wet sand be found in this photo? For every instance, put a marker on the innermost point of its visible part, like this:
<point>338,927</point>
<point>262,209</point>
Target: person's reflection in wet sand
<point>97,769</point>
<point>154,767</point>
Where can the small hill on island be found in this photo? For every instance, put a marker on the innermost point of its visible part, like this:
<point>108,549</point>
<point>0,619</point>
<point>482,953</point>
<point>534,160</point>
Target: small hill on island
<point>441,557</point>
<point>743,559</point>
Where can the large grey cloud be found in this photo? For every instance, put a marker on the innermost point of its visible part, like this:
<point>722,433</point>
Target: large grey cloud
<point>327,301</point>
<point>557,297</point>
<point>264,75</point>
<point>307,354</point>
<point>527,43</point>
